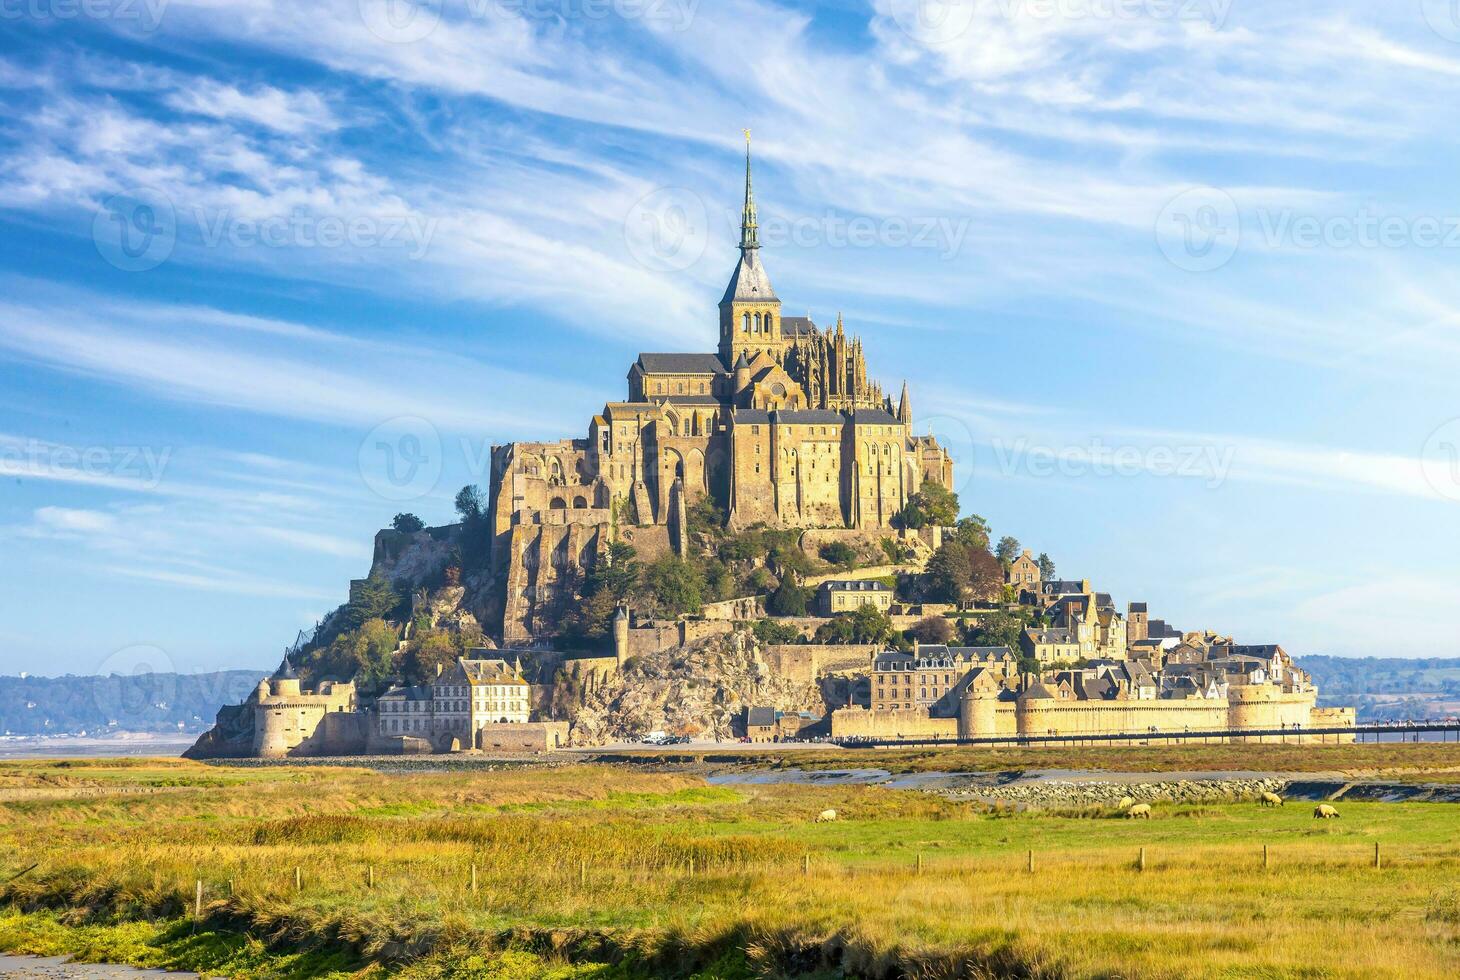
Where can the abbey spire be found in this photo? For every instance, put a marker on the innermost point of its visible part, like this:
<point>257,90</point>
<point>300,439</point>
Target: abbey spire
<point>750,313</point>
<point>749,229</point>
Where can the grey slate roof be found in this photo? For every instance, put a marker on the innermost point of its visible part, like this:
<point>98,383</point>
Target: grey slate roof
<point>812,416</point>
<point>749,281</point>
<point>873,417</point>
<point>809,416</point>
<point>854,585</point>
<point>681,364</point>
<point>1137,607</point>
<point>797,326</point>
<point>760,717</point>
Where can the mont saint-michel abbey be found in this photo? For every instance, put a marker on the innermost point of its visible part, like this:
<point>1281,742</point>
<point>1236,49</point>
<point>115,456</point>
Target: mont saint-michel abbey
<point>782,425</point>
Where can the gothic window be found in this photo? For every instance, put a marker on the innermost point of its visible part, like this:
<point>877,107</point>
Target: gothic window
<point>745,323</point>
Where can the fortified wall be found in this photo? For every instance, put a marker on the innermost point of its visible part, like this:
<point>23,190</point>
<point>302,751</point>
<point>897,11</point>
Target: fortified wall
<point>289,722</point>
<point>983,716</point>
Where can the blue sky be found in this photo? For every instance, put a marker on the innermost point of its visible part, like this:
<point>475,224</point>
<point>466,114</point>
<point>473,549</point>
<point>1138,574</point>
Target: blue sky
<point>1177,282</point>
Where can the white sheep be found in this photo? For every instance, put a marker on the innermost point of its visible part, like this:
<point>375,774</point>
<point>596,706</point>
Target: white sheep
<point>826,816</point>
<point>1141,811</point>
<point>1325,812</point>
<point>1270,799</point>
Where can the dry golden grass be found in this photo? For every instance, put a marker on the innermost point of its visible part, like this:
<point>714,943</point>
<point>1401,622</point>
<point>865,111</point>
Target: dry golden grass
<point>678,872</point>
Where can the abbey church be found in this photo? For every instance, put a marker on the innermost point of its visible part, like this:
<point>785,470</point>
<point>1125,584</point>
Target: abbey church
<point>782,425</point>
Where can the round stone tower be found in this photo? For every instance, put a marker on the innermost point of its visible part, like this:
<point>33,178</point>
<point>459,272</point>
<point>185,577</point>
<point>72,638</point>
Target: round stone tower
<point>621,635</point>
<point>976,713</point>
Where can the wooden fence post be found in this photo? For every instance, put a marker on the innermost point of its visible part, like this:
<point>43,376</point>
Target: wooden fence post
<point>1266,862</point>
<point>298,878</point>
<point>920,862</point>
<point>198,903</point>
<point>1141,860</point>
<point>1378,861</point>
<point>1031,862</point>
<point>583,874</point>
<point>370,877</point>
<point>806,863</point>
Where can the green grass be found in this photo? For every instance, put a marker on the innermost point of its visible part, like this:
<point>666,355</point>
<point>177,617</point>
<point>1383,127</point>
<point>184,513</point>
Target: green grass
<point>617,872</point>
<point>1381,759</point>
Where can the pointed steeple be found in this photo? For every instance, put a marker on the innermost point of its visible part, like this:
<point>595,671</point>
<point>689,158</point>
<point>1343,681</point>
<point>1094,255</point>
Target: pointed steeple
<point>904,407</point>
<point>750,313</point>
<point>286,671</point>
<point>749,232</point>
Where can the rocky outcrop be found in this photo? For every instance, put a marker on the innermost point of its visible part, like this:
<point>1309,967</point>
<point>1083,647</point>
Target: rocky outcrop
<point>701,689</point>
<point>1058,793</point>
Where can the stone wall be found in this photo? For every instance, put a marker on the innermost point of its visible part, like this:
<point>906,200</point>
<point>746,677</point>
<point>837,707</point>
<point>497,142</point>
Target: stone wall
<point>804,663</point>
<point>645,640</point>
<point>1106,717</point>
<point>745,609</point>
<point>864,723</point>
<point>535,736</point>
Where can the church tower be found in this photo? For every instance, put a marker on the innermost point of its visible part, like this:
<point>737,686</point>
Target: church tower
<point>750,313</point>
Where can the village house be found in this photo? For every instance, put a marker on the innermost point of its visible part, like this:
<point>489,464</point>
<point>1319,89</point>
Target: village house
<point>845,595</point>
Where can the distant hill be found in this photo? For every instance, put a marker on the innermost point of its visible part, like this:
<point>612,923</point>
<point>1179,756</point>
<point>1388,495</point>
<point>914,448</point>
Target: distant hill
<point>119,703</point>
<point>1388,688</point>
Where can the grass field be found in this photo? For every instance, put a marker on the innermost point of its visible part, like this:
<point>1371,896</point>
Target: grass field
<point>616,872</point>
<point>1425,760</point>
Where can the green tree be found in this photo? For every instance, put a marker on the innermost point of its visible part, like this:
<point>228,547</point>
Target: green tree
<point>374,598</point>
<point>837,630</point>
<point>1046,567</point>
<point>1000,629</point>
<point>972,532</point>
<point>407,523</point>
<point>470,504</point>
<point>932,506</point>
<point>1008,549</point>
<point>770,631</point>
<point>373,652</point>
<point>675,585</point>
<point>425,652</point>
<point>933,629</point>
<point>841,554</point>
<point>789,599</point>
<point>870,625</point>
<point>946,577</point>
<point>985,575</point>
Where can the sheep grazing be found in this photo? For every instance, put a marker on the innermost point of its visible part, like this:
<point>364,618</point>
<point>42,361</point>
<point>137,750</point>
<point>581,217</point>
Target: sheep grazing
<point>826,816</point>
<point>1325,812</point>
<point>1125,803</point>
<point>1141,811</point>
<point>1270,799</point>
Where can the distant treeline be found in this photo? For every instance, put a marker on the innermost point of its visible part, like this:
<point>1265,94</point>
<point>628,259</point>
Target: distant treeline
<point>1384,675</point>
<point>119,703</point>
